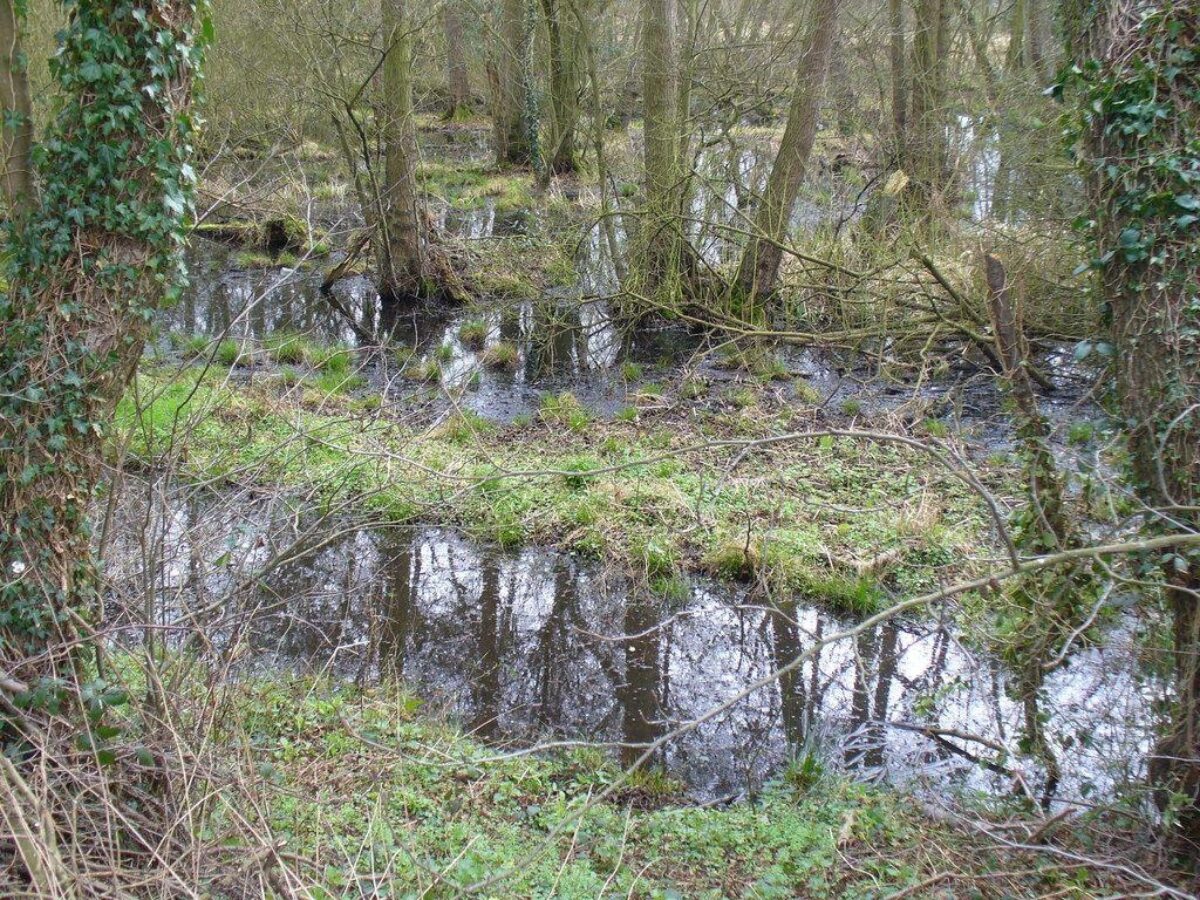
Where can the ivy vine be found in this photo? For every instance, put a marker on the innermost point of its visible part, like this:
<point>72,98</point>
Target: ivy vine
<point>85,270</point>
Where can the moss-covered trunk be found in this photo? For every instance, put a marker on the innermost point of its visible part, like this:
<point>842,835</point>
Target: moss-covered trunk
<point>926,149</point>
<point>513,100</point>
<point>97,254</point>
<point>563,33</point>
<point>1139,103</point>
<point>17,127</point>
<point>458,79</point>
<point>402,275</point>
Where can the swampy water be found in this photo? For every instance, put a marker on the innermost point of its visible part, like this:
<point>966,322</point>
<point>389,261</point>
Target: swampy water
<point>573,340</point>
<point>533,645</point>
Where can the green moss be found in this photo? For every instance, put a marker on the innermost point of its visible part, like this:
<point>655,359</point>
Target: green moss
<point>733,560</point>
<point>769,367</point>
<point>693,388</point>
<point>467,186</point>
<point>253,259</point>
<point>583,465</point>
<point>641,514</point>
<point>196,345</point>
<point>654,554</point>
<point>631,371</point>
<point>1081,433</point>
<point>428,371</point>
<point>935,428</point>
<point>508,284</point>
<point>673,589</point>
<point>338,382</point>
<point>463,427</point>
<point>806,393</point>
<point>743,398</point>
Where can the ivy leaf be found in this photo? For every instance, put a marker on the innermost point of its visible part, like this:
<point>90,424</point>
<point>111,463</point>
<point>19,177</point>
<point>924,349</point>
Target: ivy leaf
<point>1187,201</point>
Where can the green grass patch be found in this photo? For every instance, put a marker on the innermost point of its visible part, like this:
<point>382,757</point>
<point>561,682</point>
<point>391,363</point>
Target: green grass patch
<point>502,357</point>
<point>563,409</point>
<point>329,794</point>
<point>474,334</point>
<point>289,348</point>
<point>780,515</point>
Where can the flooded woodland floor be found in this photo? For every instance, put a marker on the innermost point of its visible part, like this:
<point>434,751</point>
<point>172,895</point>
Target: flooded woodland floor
<point>551,525</point>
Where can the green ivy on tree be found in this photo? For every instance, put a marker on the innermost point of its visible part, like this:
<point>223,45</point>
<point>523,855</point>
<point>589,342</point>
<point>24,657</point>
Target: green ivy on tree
<point>85,271</point>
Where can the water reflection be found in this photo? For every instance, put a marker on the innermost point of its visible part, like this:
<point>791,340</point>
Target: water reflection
<point>562,340</point>
<point>532,644</point>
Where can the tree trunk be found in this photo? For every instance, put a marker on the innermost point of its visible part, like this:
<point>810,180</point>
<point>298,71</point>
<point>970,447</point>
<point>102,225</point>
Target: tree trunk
<point>1152,253</point>
<point>402,276</point>
<point>1017,27</point>
<point>977,35</point>
<point>1040,39</point>
<point>927,133</point>
<point>84,281</point>
<point>513,95</point>
<point>563,37</point>
<point>899,78</point>
<point>760,262</point>
<point>843,95</point>
<point>660,227</point>
<point>458,82</point>
<point>18,116</point>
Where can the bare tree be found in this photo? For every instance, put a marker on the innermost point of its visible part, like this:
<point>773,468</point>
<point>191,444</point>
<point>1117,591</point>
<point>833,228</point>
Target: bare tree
<point>458,78</point>
<point>515,118</point>
<point>660,100</point>
<point>760,262</point>
<point>927,126</point>
<point>403,265</point>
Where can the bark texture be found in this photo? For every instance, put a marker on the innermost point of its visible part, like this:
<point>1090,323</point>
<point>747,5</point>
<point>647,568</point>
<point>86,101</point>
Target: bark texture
<point>402,274</point>
<point>927,126</point>
<point>458,79</point>
<point>660,228</point>
<point>759,268</point>
<point>512,90</point>
<point>18,115</point>
<point>1149,284</point>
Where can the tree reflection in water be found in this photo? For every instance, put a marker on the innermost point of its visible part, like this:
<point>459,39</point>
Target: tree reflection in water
<point>532,645</point>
